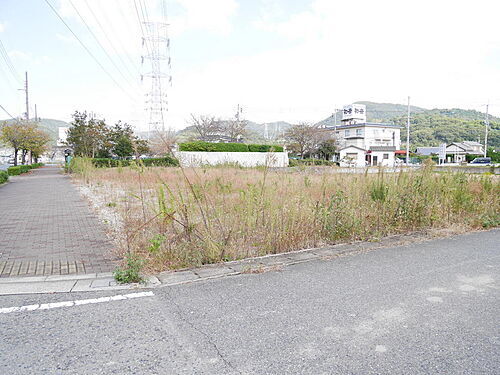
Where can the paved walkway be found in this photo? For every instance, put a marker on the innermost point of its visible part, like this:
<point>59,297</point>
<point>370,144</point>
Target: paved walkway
<point>46,228</point>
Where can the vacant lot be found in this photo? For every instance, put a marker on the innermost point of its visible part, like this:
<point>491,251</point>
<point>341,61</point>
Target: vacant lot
<point>175,217</point>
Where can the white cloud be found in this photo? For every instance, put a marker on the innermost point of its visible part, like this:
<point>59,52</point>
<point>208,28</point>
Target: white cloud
<point>356,50</point>
<point>439,52</point>
<point>2,27</point>
<point>16,54</point>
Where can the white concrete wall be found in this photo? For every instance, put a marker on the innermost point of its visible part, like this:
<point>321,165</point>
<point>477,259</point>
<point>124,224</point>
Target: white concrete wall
<point>359,161</point>
<point>380,158</point>
<point>245,159</point>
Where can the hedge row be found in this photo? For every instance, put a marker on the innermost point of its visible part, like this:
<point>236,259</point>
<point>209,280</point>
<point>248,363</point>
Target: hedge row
<point>297,162</point>
<point>166,161</point>
<point>4,176</point>
<point>227,147</point>
<point>17,170</point>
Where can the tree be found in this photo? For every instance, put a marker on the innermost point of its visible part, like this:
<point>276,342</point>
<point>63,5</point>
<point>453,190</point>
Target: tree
<point>24,136</point>
<point>91,137</point>
<point>327,148</point>
<point>205,126</point>
<point>87,135</point>
<point>162,142</point>
<point>38,143</point>
<point>302,138</point>
<point>234,129</point>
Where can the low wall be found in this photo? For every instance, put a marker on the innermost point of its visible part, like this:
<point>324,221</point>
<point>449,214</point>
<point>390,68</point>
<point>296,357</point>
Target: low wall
<point>245,159</point>
<point>475,169</point>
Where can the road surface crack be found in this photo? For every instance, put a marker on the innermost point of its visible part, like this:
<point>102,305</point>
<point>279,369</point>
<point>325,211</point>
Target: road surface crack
<point>203,333</point>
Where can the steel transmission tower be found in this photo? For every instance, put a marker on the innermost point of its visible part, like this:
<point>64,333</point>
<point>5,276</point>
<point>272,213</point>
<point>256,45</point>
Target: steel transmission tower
<point>156,46</point>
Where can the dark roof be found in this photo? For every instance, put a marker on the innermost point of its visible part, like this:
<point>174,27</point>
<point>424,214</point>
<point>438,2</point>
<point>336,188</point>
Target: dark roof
<point>383,148</point>
<point>372,124</point>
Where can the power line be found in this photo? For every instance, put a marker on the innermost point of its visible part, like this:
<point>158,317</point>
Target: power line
<point>8,62</point>
<point>119,41</point>
<point>107,38</point>
<point>88,51</point>
<point>12,117</point>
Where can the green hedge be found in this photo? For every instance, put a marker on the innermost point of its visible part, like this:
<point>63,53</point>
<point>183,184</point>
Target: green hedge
<point>166,161</point>
<point>4,176</point>
<point>297,162</point>
<point>17,170</point>
<point>227,147</point>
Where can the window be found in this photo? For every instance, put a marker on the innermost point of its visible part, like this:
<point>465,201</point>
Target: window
<point>352,155</point>
<point>386,156</point>
<point>359,132</point>
<point>346,133</point>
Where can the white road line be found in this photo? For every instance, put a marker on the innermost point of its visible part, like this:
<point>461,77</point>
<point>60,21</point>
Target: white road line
<point>55,305</point>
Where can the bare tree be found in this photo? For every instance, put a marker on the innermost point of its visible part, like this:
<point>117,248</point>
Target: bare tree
<point>234,129</point>
<point>162,142</point>
<point>303,138</point>
<point>205,126</point>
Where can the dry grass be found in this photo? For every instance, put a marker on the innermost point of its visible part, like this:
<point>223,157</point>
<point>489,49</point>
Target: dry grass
<point>178,218</point>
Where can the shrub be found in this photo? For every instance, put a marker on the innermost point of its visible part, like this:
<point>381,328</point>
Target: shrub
<point>166,161</point>
<point>299,162</point>
<point>17,170</point>
<point>227,147</point>
<point>265,148</point>
<point>130,273</point>
<point>4,176</point>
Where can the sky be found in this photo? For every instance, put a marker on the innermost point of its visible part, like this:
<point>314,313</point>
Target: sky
<point>290,60</point>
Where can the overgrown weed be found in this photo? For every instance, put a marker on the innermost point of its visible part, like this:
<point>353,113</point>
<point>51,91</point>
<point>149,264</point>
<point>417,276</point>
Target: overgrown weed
<point>177,218</point>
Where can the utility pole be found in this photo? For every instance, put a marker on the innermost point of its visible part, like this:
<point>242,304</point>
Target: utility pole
<point>487,123</point>
<point>408,135</point>
<point>239,110</point>
<point>36,114</point>
<point>27,100</point>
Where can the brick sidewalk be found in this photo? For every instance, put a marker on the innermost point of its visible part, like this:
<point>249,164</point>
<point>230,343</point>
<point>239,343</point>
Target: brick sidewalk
<point>46,228</point>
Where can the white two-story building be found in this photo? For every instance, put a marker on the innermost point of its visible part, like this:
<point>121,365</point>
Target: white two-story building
<point>362,143</point>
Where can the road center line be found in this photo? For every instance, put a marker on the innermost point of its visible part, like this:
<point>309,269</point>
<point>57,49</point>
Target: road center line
<point>55,305</point>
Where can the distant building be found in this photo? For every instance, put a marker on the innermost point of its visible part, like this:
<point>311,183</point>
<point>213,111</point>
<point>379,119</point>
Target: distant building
<point>363,143</point>
<point>62,135</point>
<point>456,151</point>
<point>459,150</point>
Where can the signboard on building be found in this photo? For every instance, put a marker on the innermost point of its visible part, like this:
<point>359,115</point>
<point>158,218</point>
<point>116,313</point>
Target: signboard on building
<point>356,112</point>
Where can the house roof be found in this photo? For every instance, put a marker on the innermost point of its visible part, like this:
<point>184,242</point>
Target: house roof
<point>467,146</point>
<point>427,150</point>
<point>352,146</point>
<point>383,148</point>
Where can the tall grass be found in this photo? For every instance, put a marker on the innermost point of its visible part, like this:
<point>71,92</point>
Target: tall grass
<point>186,217</point>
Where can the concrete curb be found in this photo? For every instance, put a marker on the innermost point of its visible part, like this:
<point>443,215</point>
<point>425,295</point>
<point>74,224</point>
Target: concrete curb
<point>273,262</point>
<point>67,284</point>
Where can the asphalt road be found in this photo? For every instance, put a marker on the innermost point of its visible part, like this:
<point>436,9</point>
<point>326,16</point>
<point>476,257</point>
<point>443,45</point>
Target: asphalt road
<point>428,308</point>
